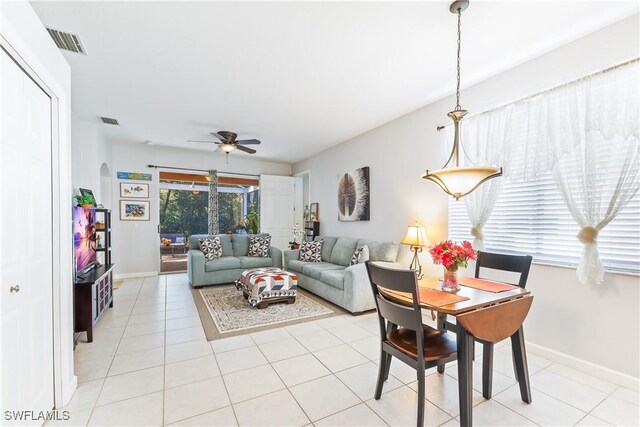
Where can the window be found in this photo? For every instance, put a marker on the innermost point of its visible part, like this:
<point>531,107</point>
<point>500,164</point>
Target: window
<point>531,218</point>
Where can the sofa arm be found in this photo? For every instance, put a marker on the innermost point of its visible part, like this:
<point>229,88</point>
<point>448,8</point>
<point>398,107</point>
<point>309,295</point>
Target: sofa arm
<point>195,267</point>
<point>276,256</point>
<point>358,295</point>
<point>290,256</point>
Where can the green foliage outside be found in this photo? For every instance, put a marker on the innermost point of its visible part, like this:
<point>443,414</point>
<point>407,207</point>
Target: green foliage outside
<point>185,213</point>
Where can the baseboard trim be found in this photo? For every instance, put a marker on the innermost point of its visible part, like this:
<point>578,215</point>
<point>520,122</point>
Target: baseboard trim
<point>587,367</point>
<point>134,275</point>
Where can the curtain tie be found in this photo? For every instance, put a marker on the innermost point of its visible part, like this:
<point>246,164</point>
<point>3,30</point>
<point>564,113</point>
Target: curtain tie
<point>477,233</point>
<point>588,235</point>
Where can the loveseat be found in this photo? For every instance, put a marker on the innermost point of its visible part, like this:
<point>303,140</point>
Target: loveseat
<point>234,260</point>
<point>334,279</point>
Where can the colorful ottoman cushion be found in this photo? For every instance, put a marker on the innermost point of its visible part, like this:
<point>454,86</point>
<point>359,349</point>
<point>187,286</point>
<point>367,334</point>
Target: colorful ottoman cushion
<point>262,286</point>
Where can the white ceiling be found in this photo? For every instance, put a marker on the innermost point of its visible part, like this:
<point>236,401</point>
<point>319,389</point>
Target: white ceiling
<point>300,76</point>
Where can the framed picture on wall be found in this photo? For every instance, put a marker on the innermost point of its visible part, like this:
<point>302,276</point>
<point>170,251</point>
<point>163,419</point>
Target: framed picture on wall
<point>313,212</point>
<point>134,210</point>
<point>134,190</point>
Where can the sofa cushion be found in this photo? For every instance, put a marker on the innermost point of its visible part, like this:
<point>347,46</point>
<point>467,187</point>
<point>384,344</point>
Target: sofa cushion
<point>259,246</point>
<point>224,263</point>
<point>381,251</point>
<point>361,255</point>
<point>314,269</point>
<point>296,265</point>
<point>240,244</point>
<point>255,262</point>
<point>343,250</point>
<point>211,248</point>
<point>334,278</point>
<point>311,251</point>
<point>225,240</point>
<point>328,243</point>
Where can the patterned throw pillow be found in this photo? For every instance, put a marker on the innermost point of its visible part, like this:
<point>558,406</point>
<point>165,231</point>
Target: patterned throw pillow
<point>361,255</point>
<point>211,247</point>
<point>259,246</point>
<point>311,251</point>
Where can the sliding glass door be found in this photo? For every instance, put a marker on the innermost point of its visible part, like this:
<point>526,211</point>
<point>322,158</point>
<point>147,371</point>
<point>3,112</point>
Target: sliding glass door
<point>183,212</point>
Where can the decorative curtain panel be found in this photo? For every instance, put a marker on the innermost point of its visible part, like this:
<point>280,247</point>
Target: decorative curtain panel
<point>585,133</point>
<point>212,222</point>
<point>491,144</point>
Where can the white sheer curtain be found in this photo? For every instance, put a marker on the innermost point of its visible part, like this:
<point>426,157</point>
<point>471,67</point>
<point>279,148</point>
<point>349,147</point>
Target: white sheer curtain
<point>601,173</point>
<point>490,135</point>
<point>585,132</point>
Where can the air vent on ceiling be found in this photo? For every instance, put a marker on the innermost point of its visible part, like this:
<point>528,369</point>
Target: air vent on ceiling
<point>67,41</point>
<point>109,121</point>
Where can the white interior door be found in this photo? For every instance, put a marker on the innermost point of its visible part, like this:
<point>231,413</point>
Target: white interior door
<point>298,203</point>
<point>26,365</point>
<point>277,208</point>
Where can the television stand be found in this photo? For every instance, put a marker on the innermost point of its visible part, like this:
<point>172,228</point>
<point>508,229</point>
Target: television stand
<point>92,295</point>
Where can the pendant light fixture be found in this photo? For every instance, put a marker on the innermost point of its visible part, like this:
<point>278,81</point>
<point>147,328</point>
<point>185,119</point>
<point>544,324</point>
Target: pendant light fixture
<point>456,180</point>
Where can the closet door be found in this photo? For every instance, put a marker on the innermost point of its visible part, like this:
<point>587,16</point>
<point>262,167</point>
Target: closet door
<point>26,324</point>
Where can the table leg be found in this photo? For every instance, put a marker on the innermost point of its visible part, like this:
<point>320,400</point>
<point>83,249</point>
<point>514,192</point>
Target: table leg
<point>465,374</point>
<point>442,319</point>
<point>487,369</point>
<point>522,369</point>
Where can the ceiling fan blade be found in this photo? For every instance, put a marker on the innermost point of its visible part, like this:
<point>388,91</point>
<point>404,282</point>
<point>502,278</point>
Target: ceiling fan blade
<point>245,149</point>
<point>210,142</point>
<point>217,135</point>
<point>249,142</point>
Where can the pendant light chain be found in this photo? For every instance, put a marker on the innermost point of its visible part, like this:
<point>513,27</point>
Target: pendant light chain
<point>458,107</point>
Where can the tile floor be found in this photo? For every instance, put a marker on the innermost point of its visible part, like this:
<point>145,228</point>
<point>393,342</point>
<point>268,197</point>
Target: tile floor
<point>150,364</point>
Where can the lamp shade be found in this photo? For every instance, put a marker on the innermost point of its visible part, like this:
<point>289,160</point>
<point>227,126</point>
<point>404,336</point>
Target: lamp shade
<point>227,148</point>
<point>416,236</point>
<point>460,181</point>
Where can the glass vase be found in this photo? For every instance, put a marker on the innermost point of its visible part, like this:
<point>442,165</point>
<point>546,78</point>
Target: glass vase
<point>450,281</point>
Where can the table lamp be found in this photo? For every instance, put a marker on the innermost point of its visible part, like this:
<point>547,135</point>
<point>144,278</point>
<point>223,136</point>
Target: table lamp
<point>416,238</point>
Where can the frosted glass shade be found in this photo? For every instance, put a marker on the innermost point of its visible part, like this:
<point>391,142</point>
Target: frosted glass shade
<point>227,148</point>
<point>460,181</point>
<point>416,236</point>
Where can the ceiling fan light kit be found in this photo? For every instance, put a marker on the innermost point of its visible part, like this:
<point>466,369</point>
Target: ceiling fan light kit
<point>228,143</point>
<point>453,179</point>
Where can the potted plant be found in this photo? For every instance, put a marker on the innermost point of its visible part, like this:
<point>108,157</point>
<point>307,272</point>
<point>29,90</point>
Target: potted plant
<point>252,222</point>
<point>296,231</point>
<point>86,201</point>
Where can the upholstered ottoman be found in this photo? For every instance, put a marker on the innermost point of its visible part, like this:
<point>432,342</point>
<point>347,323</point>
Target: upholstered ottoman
<point>263,286</point>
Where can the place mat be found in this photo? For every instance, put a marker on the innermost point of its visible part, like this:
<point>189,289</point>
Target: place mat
<point>485,285</point>
<point>439,298</point>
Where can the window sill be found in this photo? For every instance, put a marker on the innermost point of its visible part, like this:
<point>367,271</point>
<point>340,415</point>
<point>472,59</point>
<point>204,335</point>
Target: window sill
<point>574,266</point>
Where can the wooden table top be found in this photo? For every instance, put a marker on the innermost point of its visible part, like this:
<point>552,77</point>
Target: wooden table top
<point>477,298</point>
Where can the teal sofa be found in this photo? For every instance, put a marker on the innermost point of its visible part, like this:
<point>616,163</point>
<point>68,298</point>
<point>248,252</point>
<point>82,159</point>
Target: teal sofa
<point>334,279</point>
<point>234,260</point>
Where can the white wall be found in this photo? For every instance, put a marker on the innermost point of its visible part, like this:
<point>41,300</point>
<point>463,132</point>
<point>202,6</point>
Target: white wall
<point>597,324</point>
<point>136,243</point>
<point>23,31</point>
<point>89,150</point>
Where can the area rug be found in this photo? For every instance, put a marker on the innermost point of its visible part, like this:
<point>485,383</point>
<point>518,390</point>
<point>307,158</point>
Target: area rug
<point>117,283</point>
<point>224,312</point>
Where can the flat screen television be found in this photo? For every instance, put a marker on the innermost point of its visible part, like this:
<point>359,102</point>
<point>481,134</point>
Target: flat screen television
<point>84,238</point>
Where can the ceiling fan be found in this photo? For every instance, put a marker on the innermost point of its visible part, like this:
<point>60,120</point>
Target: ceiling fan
<point>228,142</point>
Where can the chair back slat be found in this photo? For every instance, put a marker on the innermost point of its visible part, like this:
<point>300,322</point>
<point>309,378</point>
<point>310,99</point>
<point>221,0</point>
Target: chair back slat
<point>399,280</point>
<point>503,262</point>
<point>401,315</point>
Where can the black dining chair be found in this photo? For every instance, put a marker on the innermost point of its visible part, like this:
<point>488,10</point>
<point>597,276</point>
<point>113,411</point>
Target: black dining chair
<point>402,333</point>
<point>500,262</point>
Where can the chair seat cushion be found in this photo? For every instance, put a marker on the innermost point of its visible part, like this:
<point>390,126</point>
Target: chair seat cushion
<point>437,345</point>
<point>224,263</point>
<point>255,262</point>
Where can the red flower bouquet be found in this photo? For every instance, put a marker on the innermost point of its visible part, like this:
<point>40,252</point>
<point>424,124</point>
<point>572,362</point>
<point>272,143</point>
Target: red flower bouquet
<point>451,256</point>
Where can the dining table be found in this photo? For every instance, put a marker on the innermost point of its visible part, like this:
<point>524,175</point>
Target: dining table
<point>485,311</point>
